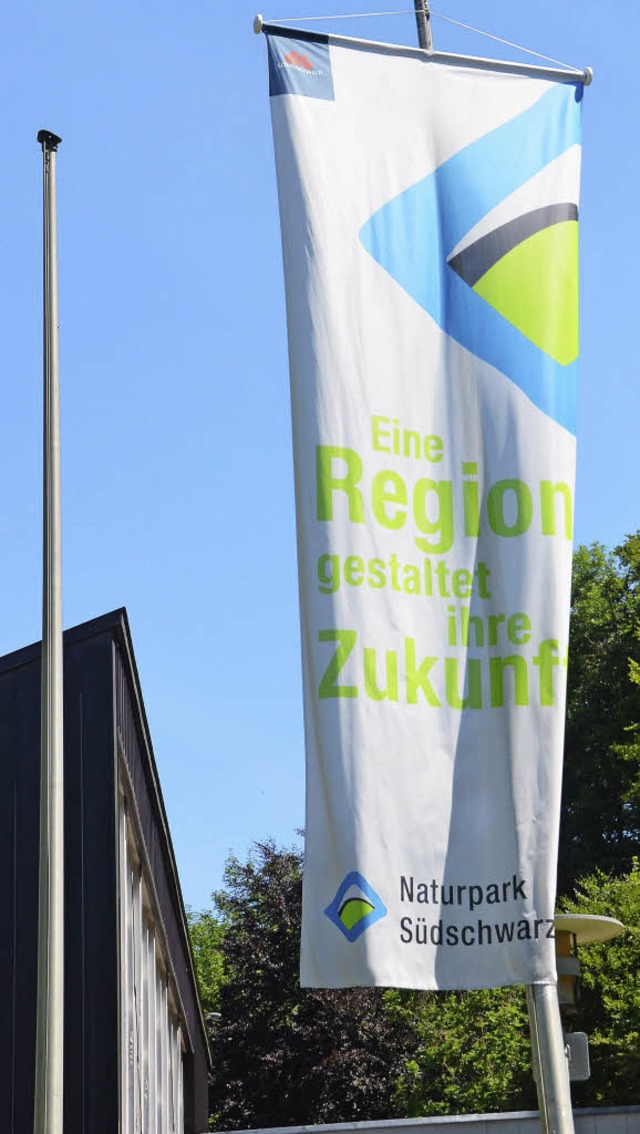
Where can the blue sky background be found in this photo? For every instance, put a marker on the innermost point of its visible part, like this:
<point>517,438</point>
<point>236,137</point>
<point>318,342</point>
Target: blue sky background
<point>177,471</point>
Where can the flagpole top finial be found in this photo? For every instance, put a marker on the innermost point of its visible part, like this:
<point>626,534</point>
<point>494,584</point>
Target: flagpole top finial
<point>257,24</point>
<point>48,140</point>
<point>588,76</point>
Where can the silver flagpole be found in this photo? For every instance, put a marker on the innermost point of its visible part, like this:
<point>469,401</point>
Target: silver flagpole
<point>423,21</point>
<point>551,1066</point>
<point>48,1112</point>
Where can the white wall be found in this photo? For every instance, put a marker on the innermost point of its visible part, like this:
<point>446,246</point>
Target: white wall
<point>610,1120</point>
<point>151,1038</point>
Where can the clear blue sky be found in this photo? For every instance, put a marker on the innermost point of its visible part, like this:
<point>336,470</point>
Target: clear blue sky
<point>177,472</point>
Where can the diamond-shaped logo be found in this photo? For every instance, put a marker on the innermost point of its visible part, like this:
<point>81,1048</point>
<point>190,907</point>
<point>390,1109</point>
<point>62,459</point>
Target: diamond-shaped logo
<point>510,298</point>
<point>355,907</point>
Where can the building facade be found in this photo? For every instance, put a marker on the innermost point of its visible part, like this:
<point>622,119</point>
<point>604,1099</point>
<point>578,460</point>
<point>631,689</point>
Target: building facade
<point>136,1055</point>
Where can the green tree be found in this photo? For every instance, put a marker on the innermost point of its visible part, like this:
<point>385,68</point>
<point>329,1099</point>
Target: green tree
<point>600,826</point>
<point>609,1009</point>
<point>630,750</point>
<point>283,1055</point>
<point>206,932</point>
<point>472,1053</point>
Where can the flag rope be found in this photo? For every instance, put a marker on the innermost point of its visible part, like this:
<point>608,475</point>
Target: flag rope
<point>498,39</point>
<point>438,15</point>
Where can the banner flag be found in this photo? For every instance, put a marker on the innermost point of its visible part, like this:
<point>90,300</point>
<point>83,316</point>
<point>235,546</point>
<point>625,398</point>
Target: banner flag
<point>429,230</point>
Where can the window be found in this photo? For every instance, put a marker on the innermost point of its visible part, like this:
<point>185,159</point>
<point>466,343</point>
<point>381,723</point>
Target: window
<point>152,1046</point>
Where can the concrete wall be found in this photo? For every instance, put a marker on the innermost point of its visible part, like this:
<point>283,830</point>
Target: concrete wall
<point>609,1120</point>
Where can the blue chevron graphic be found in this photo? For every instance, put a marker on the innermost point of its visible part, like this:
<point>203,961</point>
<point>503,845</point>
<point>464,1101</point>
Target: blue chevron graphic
<point>412,235</point>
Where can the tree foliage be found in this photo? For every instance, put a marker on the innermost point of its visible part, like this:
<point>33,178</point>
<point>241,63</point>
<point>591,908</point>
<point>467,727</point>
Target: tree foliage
<point>600,825</point>
<point>206,933</point>
<point>609,1008</point>
<point>283,1055</point>
<point>472,1054</point>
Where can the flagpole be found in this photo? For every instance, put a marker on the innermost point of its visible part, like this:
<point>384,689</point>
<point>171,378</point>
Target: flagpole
<point>423,21</point>
<point>551,1066</point>
<point>48,1102</point>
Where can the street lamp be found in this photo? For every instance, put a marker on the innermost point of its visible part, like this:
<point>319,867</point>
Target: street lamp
<point>558,1058</point>
<point>573,930</point>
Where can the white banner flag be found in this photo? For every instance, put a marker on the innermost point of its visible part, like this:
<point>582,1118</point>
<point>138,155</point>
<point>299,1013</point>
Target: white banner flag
<point>429,229</point>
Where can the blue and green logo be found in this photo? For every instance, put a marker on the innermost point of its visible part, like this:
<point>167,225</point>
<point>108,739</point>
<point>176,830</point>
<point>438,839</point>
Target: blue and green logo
<point>510,296</point>
<point>356,906</point>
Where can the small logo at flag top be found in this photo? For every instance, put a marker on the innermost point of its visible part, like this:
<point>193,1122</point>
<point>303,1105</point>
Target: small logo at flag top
<point>294,59</point>
<point>299,67</point>
<point>355,907</point>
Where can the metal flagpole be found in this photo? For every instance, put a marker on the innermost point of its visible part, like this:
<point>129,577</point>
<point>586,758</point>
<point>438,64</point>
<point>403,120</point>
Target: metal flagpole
<point>551,1066</point>
<point>423,20</point>
<point>48,1106</point>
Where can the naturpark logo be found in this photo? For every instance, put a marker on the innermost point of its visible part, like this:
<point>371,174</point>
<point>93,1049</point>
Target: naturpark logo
<point>355,907</point>
<point>487,245</point>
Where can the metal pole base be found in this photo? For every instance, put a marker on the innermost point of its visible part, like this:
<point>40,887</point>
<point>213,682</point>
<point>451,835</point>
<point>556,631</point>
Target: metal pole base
<point>551,1067</point>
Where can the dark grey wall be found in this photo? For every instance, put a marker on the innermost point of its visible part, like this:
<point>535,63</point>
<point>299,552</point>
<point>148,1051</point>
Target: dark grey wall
<point>102,698</point>
<point>19,801</point>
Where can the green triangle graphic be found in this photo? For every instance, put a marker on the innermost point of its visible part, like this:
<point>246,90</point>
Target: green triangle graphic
<point>535,287</point>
